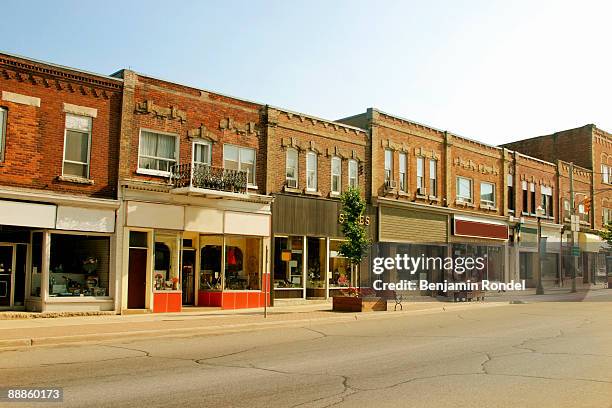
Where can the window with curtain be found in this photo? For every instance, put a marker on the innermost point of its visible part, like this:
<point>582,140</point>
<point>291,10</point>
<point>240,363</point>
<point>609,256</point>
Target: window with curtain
<point>2,132</point>
<point>388,166</point>
<point>464,189</point>
<point>157,153</point>
<point>76,146</point>
<point>240,158</point>
<point>353,173</point>
<point>605,174</point>
<point>403,167</point>
<point>487,194</point>
<point>291,168</point>
<point>336,174</point>
<point>311,171</point>
<point>433,177</point>
<point>420,183</point>
<point>201,152</point>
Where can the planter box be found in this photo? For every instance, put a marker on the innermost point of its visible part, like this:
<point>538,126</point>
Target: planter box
<point>358,304</point>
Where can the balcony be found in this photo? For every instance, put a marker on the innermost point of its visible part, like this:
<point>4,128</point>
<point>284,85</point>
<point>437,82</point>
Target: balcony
<point>207,180</point>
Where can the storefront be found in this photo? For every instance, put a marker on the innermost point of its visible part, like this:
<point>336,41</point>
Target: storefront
<point>592,261</point>
<point>56,257</point>
<point>550,256</point>
<point>196,251</point>
<point>306,258</point>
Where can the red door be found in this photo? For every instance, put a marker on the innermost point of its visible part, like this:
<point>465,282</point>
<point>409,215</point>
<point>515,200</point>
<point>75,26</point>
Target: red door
<point>137,278</point>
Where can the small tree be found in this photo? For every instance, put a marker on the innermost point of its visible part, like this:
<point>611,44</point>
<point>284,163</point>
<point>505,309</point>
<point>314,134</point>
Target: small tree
<point>606,233</point>
<point>353,227</point>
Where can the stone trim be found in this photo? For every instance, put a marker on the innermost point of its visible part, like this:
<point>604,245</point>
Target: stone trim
<point>80,110</point>
<point>21,99</point>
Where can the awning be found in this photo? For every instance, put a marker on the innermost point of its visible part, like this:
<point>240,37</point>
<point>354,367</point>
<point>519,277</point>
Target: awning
<point>590,242</point>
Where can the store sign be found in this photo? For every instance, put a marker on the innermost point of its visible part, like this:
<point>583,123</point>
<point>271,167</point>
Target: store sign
<point>477,229</point>
<point>363,219</point>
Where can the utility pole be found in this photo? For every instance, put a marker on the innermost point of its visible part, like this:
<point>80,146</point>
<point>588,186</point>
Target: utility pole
<point>572,232</point>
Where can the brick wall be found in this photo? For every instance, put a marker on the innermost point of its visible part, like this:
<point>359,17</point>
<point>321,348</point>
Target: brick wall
<point>35,135</point>
<point>540,174</point>
<point>602,192</point>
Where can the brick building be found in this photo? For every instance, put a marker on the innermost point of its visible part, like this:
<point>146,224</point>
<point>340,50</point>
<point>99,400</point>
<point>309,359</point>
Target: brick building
<point>59,144</point>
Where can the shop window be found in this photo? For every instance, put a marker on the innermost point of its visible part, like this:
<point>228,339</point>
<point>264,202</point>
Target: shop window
<point>311,171</point>
<point>510,186</point>
<point>2,132</point>
<point>37,254</point>
<point>157,153</point>
<point>433,177</point>
<point>487,194</point>
<point>201,152</point>
<point>242,263</point>
<point>211,250</point>
<point>388,167</point>
<point>77,139</point>
<point>339,267</point>
<point>79,265</point>
<point>315,264</point>
<point>403,168</point>
<point>166,263</point>
<point>336,175</point>
<point>464,189</point>
<point>291,168</point>
<point>420,178</point>
<point>353,171</point>
<point>288,262</point>
<point>525,198</point>
<point>240,158</point>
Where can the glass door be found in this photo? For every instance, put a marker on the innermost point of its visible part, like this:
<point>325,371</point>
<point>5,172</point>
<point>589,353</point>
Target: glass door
<point>7,268</point>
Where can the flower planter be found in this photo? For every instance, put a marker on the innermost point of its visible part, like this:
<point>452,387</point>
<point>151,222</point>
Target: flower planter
<point>359,304</point>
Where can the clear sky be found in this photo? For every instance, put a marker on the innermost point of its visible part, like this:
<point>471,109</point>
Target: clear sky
<point>494,71</point>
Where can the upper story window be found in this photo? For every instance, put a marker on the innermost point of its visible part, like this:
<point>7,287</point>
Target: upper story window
<point>525,197</point>
<point>533,198</point>
<point>487,194</point>
<point>420,183</point>
<point>388,166</point>
<point>77,139</point>
<point>353,174</point>
<point>291,168</point>
<point>433,177</point>
<point>607,215</point>
<point>606,173</point>
<point>547,200</point>
<point>464,189</point>
<point>510,186</point>
<point>240,158</point>
<point>157,152</point>
<point>336,175</point>
<point>311,171</point>
<point>201,152</point>
<point>403,177</point>
<point>2,132</point>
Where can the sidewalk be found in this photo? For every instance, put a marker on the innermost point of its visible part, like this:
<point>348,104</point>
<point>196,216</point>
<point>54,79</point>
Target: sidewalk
<point>62,330</point>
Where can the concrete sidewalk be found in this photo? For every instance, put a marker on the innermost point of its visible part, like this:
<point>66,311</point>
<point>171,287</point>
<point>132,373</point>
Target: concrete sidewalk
<point>38,332</point>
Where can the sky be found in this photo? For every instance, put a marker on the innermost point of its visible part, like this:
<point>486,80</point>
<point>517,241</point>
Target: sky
<point>494,71</point>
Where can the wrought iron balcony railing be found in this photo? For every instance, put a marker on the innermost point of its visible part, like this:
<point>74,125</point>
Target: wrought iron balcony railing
<point>203,176</point>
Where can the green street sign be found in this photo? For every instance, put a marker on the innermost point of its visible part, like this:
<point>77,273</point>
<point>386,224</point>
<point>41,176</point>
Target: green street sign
<point>575,251</point>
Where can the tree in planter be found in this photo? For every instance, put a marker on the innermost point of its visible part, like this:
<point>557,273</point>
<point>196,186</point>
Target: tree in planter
<point>353,227</point>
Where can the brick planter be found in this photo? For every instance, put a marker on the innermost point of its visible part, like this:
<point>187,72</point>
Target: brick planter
<point>358,304</point>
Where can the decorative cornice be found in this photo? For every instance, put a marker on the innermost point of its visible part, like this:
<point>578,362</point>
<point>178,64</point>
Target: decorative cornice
<point>203,133</point>
<point>149,107</point>
<point>477,167</point>
<point>229,124</point>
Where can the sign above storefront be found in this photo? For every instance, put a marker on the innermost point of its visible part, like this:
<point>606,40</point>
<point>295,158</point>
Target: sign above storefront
<point>477,228</point>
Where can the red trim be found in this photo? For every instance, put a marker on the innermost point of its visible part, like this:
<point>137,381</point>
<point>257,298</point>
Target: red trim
<point>480,229</point>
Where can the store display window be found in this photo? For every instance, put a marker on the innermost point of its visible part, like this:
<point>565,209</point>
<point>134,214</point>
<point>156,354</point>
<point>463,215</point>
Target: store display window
<point>288,262</point>
<point>165,270</point>
<point>339,267</point>
<point>211,255</point>
<point>242,263</point>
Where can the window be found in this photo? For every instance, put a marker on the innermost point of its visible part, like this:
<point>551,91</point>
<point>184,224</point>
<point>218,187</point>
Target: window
<point>464,189</point>
<point>76,146</point>
<point>605,173</point>
<point>240,158</point>
<point>311,171</point>
<point>2,132</point>
<point>547,200</point>
<point>243,263</point>
<point>403,182</point>
<point>510,184</point>
<point>533,198</point>
<point>339,267</point>
<point>420,174</point>
<point>487,194</point>
<point>607,215</point>
<point>336,174</point>
<point>157,153</point>
<point>388,166</point>
<point>433,177</point>
<point>291,168</point>
<point>566,208</point>
<point>353,174</point>
<point>201,153</point>
<point>525,198</point>
<point>288,262</point>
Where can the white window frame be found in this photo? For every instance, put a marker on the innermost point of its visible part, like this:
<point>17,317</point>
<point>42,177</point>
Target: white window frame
<point>295,168</point>
<point>66,129</point>
<point>3,127</point>
<point>353,173</point>
<point>605,173</point>
<point>433,177</point>
<point>339,175</point>
<point>464,199</point>
<point>153,172</point>
<point>420,174</point>
<point>310,170</point>
<point>403,172</point>
<point>606,215</point>
<point>490,203</point>
<point>388,165</point>
<point>201,143</point>
<point>240,149</point>
<point>547,200</point>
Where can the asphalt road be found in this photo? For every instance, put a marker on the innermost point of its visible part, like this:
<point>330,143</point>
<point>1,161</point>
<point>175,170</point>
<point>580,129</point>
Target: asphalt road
<point>523,355</point>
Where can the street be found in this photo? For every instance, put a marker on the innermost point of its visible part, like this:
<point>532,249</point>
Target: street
<point>550,354</point>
